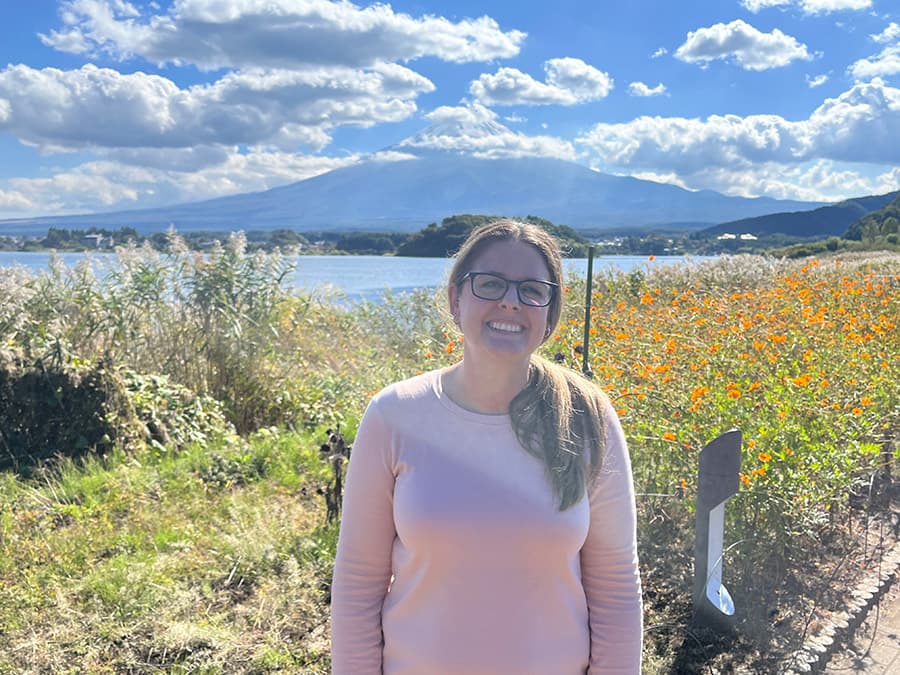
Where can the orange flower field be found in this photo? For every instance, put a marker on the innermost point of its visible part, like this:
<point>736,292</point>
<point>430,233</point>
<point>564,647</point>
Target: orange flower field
<point>802,357</point>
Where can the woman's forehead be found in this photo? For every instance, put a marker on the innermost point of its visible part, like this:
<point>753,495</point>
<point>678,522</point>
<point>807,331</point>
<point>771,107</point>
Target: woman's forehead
<point>511,257</point>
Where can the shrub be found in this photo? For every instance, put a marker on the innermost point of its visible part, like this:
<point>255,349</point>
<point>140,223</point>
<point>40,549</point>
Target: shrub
<point>52,411</point>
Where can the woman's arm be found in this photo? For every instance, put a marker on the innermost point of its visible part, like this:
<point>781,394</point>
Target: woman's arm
<point>362,569</point>
<point>609,563</point>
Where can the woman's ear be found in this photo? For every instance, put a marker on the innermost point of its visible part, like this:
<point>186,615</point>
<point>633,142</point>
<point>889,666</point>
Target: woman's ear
<point>453,300</point>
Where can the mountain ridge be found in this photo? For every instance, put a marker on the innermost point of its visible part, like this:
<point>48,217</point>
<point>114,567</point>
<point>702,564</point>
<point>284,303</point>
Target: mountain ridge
<point>825,221</point>
<point>405,195</point>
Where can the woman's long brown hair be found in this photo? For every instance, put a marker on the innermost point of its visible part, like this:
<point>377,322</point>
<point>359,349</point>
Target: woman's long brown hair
<point>559,417</point>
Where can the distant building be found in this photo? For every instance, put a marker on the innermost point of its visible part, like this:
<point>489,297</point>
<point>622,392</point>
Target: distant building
<point>98,240</point>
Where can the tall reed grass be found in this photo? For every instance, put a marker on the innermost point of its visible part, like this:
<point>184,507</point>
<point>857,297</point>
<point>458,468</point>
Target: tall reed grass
<point>801,356</point>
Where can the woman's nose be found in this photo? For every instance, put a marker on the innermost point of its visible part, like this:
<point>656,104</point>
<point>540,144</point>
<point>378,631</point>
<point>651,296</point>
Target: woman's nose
<point>511,297</point>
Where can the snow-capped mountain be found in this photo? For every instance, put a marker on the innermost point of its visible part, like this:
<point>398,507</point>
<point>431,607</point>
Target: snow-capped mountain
<point>453,166</point>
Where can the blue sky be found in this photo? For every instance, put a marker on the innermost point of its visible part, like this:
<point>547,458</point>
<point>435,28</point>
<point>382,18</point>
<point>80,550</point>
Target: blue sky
<point>109,104</point>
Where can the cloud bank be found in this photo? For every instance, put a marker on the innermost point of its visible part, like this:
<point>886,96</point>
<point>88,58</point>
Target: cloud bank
<point>859,126</point>
<point>568,81</point>
<point>213,34</point>
<point>740,42</point>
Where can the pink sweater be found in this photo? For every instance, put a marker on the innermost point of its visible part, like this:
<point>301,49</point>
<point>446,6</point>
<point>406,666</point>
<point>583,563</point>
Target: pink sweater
<point>454,558</point>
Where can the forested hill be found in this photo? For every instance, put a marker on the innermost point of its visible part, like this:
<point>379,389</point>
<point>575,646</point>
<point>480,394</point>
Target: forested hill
<point>881,223</point>
<point>439,241</point>
<point>821,222</point>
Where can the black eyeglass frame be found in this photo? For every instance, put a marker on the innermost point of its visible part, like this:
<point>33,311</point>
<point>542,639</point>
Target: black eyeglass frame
<point>470,276</point>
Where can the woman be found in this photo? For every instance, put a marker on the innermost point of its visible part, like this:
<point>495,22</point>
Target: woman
<point>489,520</point>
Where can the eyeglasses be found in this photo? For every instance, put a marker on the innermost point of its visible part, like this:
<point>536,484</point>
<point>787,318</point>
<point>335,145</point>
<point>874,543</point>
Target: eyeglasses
<point>531,292</point>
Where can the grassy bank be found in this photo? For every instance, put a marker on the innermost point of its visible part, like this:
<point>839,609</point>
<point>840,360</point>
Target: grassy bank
<point>208,551</point>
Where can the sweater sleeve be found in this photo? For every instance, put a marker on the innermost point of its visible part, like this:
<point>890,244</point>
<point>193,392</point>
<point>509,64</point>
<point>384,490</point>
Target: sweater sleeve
<point>609,563</point>
<point>362,569</point>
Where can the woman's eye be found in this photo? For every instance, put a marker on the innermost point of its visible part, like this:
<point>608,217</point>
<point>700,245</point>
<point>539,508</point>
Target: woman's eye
<point>532,291</point>
<point>491,284</point>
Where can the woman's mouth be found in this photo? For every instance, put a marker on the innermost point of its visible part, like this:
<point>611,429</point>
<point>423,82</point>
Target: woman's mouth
<point>504,327</point>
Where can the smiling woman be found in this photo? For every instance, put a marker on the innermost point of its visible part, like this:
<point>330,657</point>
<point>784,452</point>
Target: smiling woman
<point>489,518</point>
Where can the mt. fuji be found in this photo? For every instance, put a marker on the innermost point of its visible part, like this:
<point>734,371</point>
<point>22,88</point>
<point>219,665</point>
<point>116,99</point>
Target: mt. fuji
<point>450,167</point>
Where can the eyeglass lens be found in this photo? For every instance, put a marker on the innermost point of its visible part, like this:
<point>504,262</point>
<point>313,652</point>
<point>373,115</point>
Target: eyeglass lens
<point>531,291</point>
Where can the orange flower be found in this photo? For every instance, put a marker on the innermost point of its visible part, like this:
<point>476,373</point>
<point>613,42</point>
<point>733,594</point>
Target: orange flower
<point>428,355</point>
<point>751,444</point>
<point>764,457</point>
<point>651,258</point>
<point>857,411</point>
<point>698,393</point>
<point>754,386</point>
<point>734,393</point>
<point>745,479</point>
<point>668,436</point>
<point>450,347</point>
<point>760,472</point>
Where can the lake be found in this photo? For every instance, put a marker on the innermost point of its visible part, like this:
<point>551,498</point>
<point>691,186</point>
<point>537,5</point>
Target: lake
<point>357,277</point>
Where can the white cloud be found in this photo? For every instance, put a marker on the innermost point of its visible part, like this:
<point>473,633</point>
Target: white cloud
<point>568,81</point>
<point>889,34</point>
<point>474,129</point>
<point>820,181</point>
<point>216,34</point>
<point>885,63</point>
<point>101,108</point>
<point>105,185</point>
<point>71,191</point>
<point>816,81</point>
<point>585,82</point>
<point>860,125</point>
<point>662,51</point>
<point>808,6</point>
<point>641,89</point>
<point>750,48</point>
<point>757,5</point>
<point>828,6</point>
<point>14,202</point>
<point>391,156</point>
<point>515,119</point>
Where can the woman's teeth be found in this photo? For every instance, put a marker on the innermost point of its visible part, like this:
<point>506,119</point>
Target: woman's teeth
<point>505,327</point>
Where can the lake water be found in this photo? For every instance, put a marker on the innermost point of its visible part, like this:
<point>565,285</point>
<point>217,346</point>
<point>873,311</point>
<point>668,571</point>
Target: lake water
<point>354,276</point>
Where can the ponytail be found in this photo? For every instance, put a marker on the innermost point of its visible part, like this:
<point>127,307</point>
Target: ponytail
<point>560,418</point>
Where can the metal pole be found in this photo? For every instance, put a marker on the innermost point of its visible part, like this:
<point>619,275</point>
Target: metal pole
<point>585,364</point>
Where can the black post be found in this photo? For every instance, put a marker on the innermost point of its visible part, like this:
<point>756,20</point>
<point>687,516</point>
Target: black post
<point>717,482</point>
<point>588,292</point>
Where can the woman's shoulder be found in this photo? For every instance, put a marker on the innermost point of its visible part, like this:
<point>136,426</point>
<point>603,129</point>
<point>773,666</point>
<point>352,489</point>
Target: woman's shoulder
<point>413,391</point>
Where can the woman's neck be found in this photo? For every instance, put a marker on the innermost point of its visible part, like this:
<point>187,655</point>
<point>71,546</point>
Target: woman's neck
<point>486,388</point>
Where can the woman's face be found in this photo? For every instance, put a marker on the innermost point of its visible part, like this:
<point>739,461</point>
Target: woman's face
<point>506,328</point>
